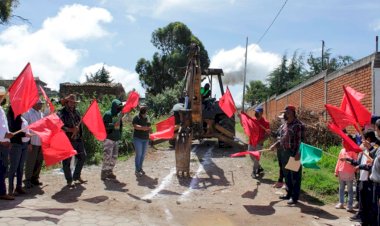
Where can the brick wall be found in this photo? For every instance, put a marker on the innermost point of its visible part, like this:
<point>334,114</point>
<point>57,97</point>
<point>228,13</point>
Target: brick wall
<point>311,94</point>
<point>359,79</point>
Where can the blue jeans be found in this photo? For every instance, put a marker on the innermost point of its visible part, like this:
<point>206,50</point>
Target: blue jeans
<point>141,146</point>
<point>4,152</point>
<point>342,185</point>
<point>17,156</point>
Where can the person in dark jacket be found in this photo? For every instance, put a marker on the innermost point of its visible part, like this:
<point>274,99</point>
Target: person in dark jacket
<point>17,153</point>
<point>291,135</point>
<point>71,119</point>
<point>113,122</point>
<point>142,128</point>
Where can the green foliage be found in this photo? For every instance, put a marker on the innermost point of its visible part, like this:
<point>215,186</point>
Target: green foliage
<point>168,65</point>
<point>329,63</point>
<point>101,76</point>
<point>6,8</point>
<point>162,103</point>
<point>286,75</point>
<point>294,71</point>
<point>256,92</point>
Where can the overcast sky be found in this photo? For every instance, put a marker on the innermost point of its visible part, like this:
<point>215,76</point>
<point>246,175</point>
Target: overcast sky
<point>64,40</point>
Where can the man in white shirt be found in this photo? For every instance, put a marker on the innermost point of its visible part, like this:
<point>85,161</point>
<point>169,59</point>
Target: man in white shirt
<point>5,135</point>
<point>34,156</point>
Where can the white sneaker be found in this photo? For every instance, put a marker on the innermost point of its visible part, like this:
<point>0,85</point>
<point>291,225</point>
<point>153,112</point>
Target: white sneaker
<point>339,206</point>
<point>349,209</point>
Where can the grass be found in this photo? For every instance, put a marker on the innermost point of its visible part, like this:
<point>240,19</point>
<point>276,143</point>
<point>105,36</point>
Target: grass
<point>318,184</point>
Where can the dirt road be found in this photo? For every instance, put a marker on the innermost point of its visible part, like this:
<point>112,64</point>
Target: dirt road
<point>220,192</point>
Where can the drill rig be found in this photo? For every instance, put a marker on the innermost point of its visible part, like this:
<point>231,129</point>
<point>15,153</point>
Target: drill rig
<point>201,118</point>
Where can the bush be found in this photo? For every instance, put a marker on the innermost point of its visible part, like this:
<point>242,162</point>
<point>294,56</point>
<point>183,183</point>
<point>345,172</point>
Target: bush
<point>162,103</point>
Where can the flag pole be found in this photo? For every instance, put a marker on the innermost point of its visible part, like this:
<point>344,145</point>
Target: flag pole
<point>245,74</point>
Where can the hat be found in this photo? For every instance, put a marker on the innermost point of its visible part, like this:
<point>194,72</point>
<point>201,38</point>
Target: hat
<point>2,91</point>
<point>141,106</point>
<point>259,109</point>
<point>374,118</point>
<point>39,101</point>
<point>70,97</point>
<point>289,108</point>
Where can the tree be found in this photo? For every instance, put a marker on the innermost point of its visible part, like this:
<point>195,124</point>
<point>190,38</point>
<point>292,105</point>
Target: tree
<point>168,65</point>
<point>256,92</point>
<point>6,9</point>
<point>277,78</point>
<point>101,76</point>
<point>330,64</point>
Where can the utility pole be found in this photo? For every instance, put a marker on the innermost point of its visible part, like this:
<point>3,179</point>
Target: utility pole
<point>245,74</point>
<point>323,57</point>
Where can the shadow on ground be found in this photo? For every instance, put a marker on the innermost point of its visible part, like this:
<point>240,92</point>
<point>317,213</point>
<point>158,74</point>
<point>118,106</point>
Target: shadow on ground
<point>69,195</point>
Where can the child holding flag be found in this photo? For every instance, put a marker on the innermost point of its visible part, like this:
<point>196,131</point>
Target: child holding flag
<point>346,174</point>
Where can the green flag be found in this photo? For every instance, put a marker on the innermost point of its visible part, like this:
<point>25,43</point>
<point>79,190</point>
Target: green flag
<point>310,155</point>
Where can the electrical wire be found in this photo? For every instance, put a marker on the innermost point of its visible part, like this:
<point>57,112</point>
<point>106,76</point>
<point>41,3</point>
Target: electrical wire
<point>266,31</point>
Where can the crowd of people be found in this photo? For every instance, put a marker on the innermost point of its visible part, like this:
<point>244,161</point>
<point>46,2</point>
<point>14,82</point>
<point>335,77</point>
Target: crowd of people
<point>21,154</point>
<point>361,168</point>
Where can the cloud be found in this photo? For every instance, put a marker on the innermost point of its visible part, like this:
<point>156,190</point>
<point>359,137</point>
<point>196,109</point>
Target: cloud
<point>259,63</point>
<point>47,48</point>
<point>129,80</point>
<point>375,25</point>
<point>131,18</point>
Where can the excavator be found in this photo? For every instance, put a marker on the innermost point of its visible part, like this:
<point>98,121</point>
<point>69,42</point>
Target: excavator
<point>200,118</point>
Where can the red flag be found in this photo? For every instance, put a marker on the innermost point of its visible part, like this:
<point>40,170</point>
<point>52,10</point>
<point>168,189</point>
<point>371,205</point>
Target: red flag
<point>132,102</point>
<point>165,124</point>
<point>55,144</point>
<point>165,129</point>
<point>166,134</point>
<point>250,128</point>
<point>358,111</point>
<point>357,95</point>
<point>339,117</point>
<point>94,121</point>
<point>348,144</point>
<point>23,92</point>
<point>255,154</point>
<point>227,104</point>
<point>51,106</point>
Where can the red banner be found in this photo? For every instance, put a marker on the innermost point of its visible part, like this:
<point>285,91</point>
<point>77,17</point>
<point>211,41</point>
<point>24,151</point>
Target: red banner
<point>94,121</point>
<point>23,92</point>
<point>55,144</point>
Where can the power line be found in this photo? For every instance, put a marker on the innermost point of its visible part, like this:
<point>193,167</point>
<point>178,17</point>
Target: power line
<point>266,31</point>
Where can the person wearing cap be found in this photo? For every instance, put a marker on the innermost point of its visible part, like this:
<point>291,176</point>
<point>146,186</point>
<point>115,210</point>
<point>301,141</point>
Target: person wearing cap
<point>291,136</point>
<point>142,128</point>
<point>205,91</point>
<point>264,131</point>
<point>114,125</point>
<point>5,136</point>
<point>34,157</point>
<point>71,119</point>
<point>280,180</point>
